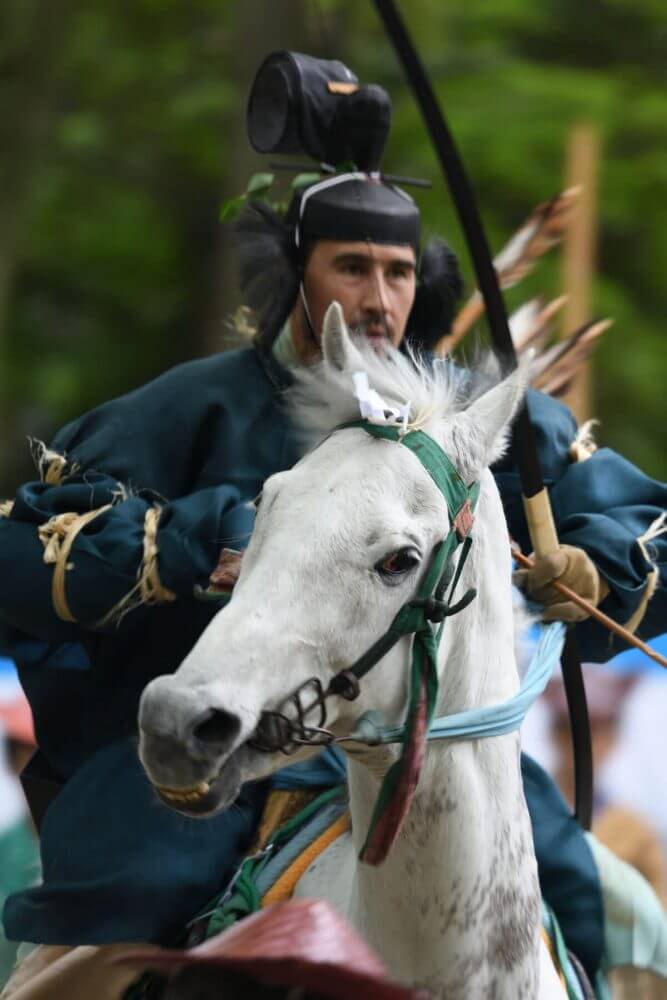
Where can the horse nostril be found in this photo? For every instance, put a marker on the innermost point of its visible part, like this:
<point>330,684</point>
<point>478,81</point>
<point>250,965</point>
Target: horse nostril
<point>213,730</point>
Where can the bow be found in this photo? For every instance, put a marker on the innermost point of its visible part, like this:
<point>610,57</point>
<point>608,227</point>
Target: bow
<point>536,500</point>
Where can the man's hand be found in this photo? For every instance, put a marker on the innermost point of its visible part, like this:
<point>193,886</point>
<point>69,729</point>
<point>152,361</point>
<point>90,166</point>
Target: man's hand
<point>570,566</point>
<point>226,573</point>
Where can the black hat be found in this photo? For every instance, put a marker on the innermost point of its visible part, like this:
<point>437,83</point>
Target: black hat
<point>355,206</point>
<point>316,106</point>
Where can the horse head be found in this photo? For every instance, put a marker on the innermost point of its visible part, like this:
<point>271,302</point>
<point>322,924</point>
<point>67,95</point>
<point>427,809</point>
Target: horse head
<point>341,543</point>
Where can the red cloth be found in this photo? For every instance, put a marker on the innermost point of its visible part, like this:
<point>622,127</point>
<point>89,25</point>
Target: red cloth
<point>388,826</point>
<point>16,720</point>
<point>301,942</point>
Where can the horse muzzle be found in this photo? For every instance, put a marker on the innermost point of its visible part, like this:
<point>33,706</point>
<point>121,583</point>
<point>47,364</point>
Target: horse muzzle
<point>188,748</point>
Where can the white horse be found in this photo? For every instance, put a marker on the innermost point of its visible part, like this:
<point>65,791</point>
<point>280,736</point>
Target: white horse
<point>341,543</point>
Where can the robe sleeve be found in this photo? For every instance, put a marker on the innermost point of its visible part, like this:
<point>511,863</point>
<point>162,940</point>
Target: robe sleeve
<point>148,449</point>
<point>606,506</point>
<point>107,554</point>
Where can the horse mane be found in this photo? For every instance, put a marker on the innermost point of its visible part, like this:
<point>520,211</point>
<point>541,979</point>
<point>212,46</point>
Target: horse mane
<point>322,396</point>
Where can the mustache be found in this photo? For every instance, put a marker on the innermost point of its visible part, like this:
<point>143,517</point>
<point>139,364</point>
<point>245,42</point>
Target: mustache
<point>362,327</point>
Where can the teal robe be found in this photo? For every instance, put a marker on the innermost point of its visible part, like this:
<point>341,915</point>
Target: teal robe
<point>201,440</point>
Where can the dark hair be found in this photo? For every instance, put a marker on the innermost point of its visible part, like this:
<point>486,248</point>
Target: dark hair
<point>270,268</point>
<point>439,289</point>
<point>268,263</point>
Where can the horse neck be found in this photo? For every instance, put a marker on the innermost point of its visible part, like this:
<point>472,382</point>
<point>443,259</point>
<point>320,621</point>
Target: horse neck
<point>455,907</point>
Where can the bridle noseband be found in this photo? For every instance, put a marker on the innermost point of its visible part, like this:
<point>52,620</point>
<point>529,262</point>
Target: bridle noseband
<point>279,731</point>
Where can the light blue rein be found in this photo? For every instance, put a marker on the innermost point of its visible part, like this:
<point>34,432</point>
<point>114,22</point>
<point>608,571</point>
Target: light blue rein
<point>495,720</point>
<point>491,720</point>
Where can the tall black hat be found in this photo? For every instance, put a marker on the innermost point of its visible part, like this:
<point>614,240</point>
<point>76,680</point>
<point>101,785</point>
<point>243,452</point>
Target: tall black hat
<point>299,104</point>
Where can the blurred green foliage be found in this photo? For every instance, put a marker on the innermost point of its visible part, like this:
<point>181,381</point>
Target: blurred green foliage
<point>122,123</point>
<point>514,77</point>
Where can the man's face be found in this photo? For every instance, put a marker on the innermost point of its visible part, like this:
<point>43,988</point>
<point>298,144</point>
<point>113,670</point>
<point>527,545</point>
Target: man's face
<point>374,283</point>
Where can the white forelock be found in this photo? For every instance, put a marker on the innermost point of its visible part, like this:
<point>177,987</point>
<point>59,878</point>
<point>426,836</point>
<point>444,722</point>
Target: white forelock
<point>322,396</point>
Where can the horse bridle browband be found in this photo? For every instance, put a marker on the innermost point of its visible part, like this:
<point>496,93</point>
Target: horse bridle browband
<point>279,731</point>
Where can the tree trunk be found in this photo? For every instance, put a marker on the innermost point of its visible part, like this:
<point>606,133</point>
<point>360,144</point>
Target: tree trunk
<point>260,28</point>
<point>33,33</point>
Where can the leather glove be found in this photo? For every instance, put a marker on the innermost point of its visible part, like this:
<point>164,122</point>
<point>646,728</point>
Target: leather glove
<point>568,565</point>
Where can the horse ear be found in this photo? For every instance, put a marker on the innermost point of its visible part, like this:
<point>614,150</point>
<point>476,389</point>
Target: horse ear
<point>488,418</point>
<point>337,347</point>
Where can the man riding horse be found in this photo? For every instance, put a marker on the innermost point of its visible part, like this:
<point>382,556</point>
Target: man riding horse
<point>106,560</point>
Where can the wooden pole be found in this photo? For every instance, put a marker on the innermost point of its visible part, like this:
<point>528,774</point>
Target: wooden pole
<point>579,253</point>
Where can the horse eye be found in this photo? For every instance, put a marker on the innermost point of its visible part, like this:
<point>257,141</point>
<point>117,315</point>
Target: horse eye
<point>397,564</point>
<point>257,501</point>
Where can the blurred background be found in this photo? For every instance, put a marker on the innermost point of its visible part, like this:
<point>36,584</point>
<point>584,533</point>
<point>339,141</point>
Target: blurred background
<point>123,127</point>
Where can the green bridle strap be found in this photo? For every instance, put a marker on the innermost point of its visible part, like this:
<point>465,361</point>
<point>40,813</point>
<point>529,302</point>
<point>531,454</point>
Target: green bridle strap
<point>432,457</point>
<point>415,617</point>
